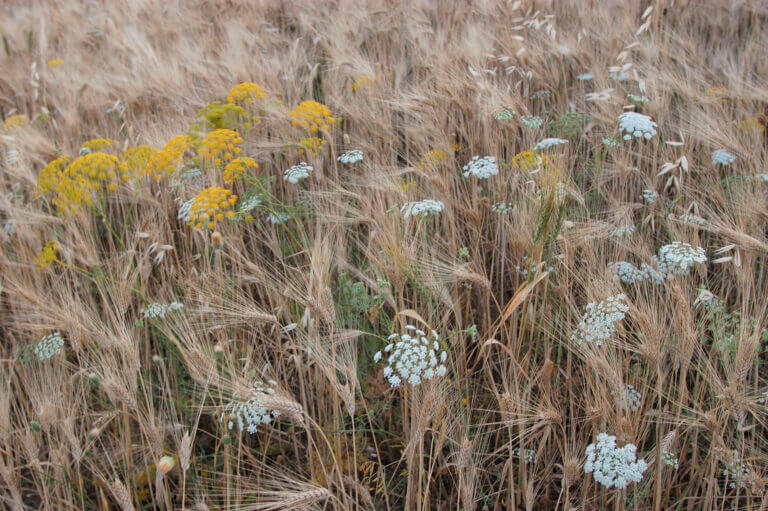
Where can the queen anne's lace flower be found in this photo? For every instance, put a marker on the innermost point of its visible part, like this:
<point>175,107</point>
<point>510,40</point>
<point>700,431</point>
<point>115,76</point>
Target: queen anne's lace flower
<point>669,459</point>
<point>650,196</point>
<point>184,210</point>
<point>677,258</point>
<point>481,168</point>
<point>628,273</point>
<point>722,157</point>
<point>159,310</point>
<point>298,172</point>
<point>692,219</point>
<point>531,122</point>
<point>249,414</point>
<point>612,466</point>
<point>630,399</point>
<point>585,77</point>
<point>548,143</point>
<point>636,125</point>
<point>351,157</point>
<point>424,208</point>
<point>250,203</point>
<point>412,357</point>
<point>597,326</point>
<point>49,346</point>
<point>502,207</point>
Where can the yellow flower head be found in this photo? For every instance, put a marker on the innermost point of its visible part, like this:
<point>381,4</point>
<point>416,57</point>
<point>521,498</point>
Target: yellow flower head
<point>165,161</point>
<point>96,144</point>
<point>311,145</point>
<point>16,120</point>
<point>720,93</point>
<point>245,92</point>
<point>752,124</point>
<point>235,169</point>
<point>46,256</point>
<point>527,161</point>
<point>86,174</point>
<point>312,116</point>
<point>54,63</point>
<point>432,159</point>
<point>220,146</point>
<point>49,176</point>
<point>362,82</point>
<point>135,162</point>
<point>210,206</point>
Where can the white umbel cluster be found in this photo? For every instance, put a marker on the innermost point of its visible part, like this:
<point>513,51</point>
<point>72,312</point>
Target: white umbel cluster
<point>424,207</point>
<point>412,357</point>
<point>159,310</point>
<point>251,413</point>
<point>351,157</point>
<point>49,346</point>
<point>677,258</point>
<point>598,324</point>
<point>612,466</point>
<point>298,172</point>
<point>548,143</point>
<point>633,124</point>
<point>481,168</point>
<point>722,157</point>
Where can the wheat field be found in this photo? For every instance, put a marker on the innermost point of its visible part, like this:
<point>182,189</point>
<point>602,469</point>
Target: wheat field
<point>419,255</point>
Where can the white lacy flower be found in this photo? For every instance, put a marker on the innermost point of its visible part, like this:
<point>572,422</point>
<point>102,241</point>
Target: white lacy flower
<point>650,196</point>
<point>585,77</point>
<point>669,459</point>
<point>612,466</point>
<point>351,157</point>
<point>628,273</point>
<point>250,203</point>
<point>49,346</point>
<point>278,217</point>
<point>597,326</point>
<point>636,125</point>
<point>611,142</point>
<point>298,172</point>
<point>736,471</point>
<point>502,207</point>
<point>159,310</point>
<point>549,142</point>
<point>251,413</point>
<point>722,157</point>
<point>531,121</point>
<point>692,219</point>
<point>412,357</point>
<point>677,258</point>
<point>481,168</point>
<point>623,231</point>
<point>630,399</point>
<point>424,208</point>
<point>184,210</point>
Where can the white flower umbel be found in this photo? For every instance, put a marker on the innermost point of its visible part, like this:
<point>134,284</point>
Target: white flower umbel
<point>631,399</point>
<point>722,157</point>
<point>636,125</point>
<point>423,208</point>
<point>531,122</point>
<point>184,210</point>
<point>585,77</point>
<point>159,310</point>
<point>503,115</point>
<point>49,346</point>
<point>650,196</point>
<point>548,143</point>
<point>502,207</point>
<point>628,273</point>
<point>598,324</point>
<point>250,203</point>
<point>692,219</point>
<point>278,218</point>
<point>412,357</point>
<point>251,413</point>
<point>481,168</point>
<point>298,172</point>
<point>677,258</point>
<point>351,157</point>
<point>736,471</point>
<point>623,231</point>
<point>612,466</point>
<point>669,459</point>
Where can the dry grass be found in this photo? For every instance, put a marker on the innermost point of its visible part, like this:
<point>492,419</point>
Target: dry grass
<point>307,303</point>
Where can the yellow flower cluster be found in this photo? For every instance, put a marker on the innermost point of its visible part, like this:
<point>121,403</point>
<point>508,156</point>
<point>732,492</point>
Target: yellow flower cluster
<point>362,82</point>
<point>718,93</point>
<point>86,174</point>
<point>245,92</point>
<point>96,144</point>
<point>46,256</point>
<point>210,206</point>
<point>432,158</point>
<point>135,161</point>
<point>16,120</point>
<point>751,124</point>
<point>312,116</point>
<point>49,176</point>
<point>527,161</point>
<point>165,161</point>
<point>220,146</point>
<point>311,145</point>
<point>235,169</point>
<point>54,63</point>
